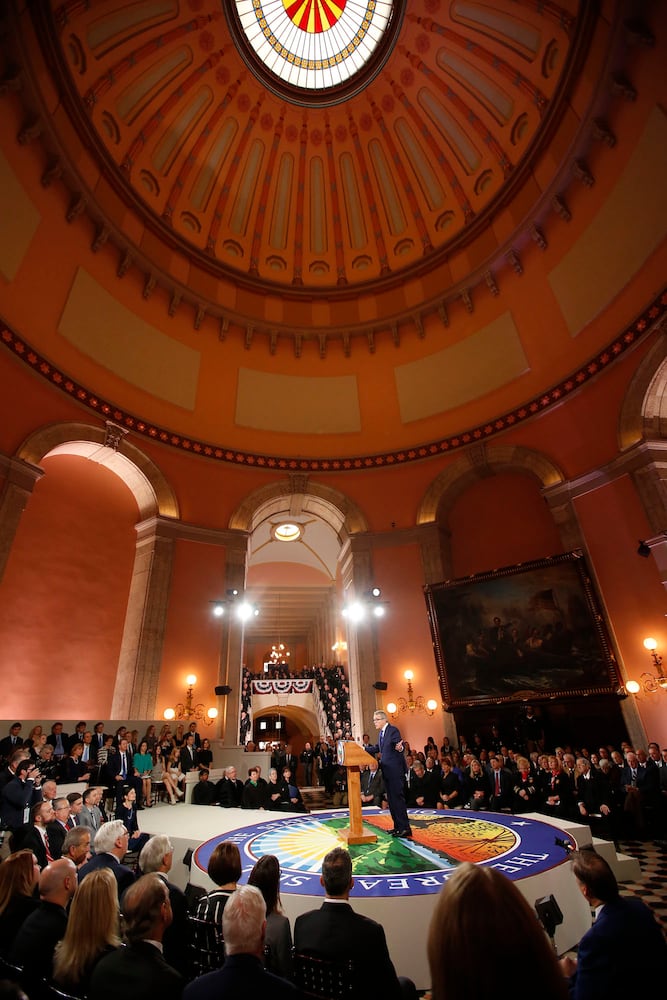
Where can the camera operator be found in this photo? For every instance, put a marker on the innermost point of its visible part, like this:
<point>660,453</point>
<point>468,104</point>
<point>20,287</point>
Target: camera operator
<point>19,794</point>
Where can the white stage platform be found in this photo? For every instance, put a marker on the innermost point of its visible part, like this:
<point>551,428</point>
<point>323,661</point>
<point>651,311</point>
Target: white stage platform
<point>539,871</point>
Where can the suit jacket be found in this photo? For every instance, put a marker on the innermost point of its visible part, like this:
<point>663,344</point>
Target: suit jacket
<point>72,770</point>
<point>372,784</point>
<point>37,938</point>
<point>335,931</point>
<point>593,792</point>
<point>7,748</point>
<point>229,793</point>
<point>91,817</point>
<point>137,971</point>
<point>188,758</point>
<point>64,739</point>
<point>392,761</point>
<point>56,833</point>
<point>242,977</point>
<point>124,876</point>
<point>16,796</point>
<point>623,928</point>
<point>33,841</point>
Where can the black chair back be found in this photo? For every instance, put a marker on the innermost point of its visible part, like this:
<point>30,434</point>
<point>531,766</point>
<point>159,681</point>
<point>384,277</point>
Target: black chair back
<point>207,946</point>
<point>326,979</point>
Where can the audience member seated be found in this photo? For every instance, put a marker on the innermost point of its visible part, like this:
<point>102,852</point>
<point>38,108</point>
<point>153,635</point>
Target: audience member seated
<point>484,940</point>
<point>477,786</point>
<point>291,799</point>
<point>91,814</point>
<point>423,790</point>
<point>92,932</point>
<point>143,764</point>
<point>76,845</point>
<point>72,768</point>
<point>525,791</point>
<point>205,755</point>
<point>58,739</point>
<point>224,868</point>
<point>157,856</point>
<point>189,754</point>
<point>594,801</point>
<point>138,969</point>
<point>204,792</point>
<point>229,790</point>
<point>450,793</point>
<point>40,932</point>
<point>254,791</point>
<point>372,784</point>
<point>339,797</point>
<point>273,793</point>
<point>12,742</point>
<point>57,828</point>
<point>110,846</point>
<point>641,786</point>
<point>624,927</point>
<point>127,813</point>
<point>19,878</point>
<point>243,974</point>
<point>558,793</point>
<point>36,837</point>
<point>172,776</point>
<point>335,931</point>
<point>278,938</point>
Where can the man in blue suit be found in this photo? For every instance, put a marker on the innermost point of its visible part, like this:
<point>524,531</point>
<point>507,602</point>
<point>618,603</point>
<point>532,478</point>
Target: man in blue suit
<point>624,928</point>
<point>392,765</point>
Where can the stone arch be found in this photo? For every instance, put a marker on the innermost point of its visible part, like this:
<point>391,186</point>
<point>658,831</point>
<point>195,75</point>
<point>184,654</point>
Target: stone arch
<point>478,463</point>
<point>315,498</point>
<point>643,414</point>
<point>143,478</point>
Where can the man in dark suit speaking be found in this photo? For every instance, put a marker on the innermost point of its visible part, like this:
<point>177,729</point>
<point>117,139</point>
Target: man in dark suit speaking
<point>335,931</point>
<point>392,765</point>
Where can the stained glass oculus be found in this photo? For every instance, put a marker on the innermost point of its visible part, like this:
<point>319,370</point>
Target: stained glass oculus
<point>314,44</point>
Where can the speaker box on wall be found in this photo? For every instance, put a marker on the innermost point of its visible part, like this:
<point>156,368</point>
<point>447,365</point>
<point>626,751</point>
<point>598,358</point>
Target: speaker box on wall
<point>380,685</point>
<point>223,689</point>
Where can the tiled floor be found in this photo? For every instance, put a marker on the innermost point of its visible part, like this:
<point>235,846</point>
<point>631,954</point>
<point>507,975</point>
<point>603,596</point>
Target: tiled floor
<point>652,887</point>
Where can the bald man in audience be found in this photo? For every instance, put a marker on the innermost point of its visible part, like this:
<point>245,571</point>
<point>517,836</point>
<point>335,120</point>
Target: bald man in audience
<point>40,932</point>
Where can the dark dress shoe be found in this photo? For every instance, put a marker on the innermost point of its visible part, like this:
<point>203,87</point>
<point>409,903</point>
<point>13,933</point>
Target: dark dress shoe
<point>403,833</point>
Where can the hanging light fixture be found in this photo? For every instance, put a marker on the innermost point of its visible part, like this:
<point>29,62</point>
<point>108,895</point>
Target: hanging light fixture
<point>411,704</point>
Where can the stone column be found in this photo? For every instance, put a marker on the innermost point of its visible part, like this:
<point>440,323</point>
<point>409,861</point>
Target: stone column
<point>20,480</point>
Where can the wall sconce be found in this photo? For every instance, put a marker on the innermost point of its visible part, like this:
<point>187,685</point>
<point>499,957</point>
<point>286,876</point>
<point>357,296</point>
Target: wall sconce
<point>411,704</point>
<point>649,682</point>
<point>369,605</point>
<point>186,710</point>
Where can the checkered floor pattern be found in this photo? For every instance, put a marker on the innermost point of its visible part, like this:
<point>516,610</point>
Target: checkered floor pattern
<point>652,886</point>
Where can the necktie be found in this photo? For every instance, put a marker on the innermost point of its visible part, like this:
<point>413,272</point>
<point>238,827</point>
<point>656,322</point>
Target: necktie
<point>497,782</point>
<point>49,856</point>
<point>381,739</point>
<point>70,823</point>
<point>84,756</point>
<point>123,766</point>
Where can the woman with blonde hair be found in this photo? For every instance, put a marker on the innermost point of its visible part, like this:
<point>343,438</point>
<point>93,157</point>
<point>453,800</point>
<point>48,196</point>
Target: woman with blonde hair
<point>19,875</point>
<point>471,907</point>
<point>92,931</point>
<point>172,776</point>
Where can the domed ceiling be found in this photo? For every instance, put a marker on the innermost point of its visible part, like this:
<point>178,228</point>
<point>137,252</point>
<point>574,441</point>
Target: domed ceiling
<point>341,186</point>
<point>335,204</point>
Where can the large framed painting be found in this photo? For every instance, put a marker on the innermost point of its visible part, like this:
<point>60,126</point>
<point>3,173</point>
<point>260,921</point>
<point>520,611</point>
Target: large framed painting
<point>528,632</point>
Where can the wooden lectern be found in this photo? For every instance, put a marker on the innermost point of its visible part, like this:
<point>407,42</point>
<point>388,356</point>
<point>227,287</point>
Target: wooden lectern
<point>353,757</point>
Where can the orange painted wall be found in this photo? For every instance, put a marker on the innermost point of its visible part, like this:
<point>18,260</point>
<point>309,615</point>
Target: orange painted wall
<point>64,593</point>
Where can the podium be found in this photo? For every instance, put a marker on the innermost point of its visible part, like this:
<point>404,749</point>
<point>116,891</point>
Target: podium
<point>353,757</point>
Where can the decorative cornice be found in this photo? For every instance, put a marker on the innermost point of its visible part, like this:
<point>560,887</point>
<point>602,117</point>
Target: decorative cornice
<point>541,403</point>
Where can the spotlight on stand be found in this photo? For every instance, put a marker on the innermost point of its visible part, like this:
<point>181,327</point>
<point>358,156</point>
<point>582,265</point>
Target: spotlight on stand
<point>370,604</point>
